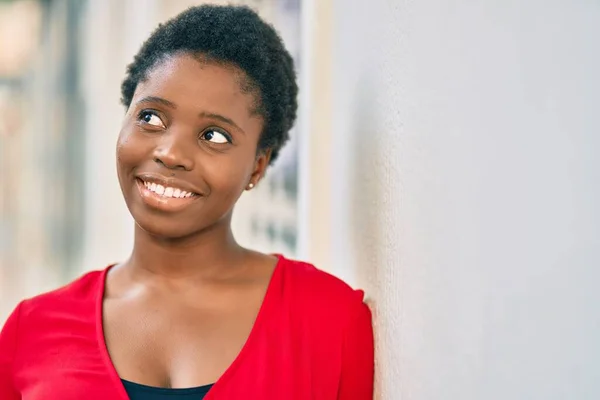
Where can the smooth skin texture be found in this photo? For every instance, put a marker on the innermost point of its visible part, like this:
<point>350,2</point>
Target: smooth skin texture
<point>179,310</point>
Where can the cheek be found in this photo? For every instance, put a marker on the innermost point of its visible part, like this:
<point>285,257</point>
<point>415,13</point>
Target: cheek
<point>129,149</point>
<point>229,176</point>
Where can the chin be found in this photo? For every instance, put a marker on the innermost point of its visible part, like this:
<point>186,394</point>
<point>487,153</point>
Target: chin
<point>173,227</point>
<point>167,231</point>
<point>164,226</point>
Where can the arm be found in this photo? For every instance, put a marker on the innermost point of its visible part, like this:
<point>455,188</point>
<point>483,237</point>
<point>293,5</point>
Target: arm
<point>8,348</point>
<point>358,357</point>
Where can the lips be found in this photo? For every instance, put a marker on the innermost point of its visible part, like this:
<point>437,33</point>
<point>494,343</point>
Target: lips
<point>168,191</point>
<point>164,194</point>
<point>165,183</point>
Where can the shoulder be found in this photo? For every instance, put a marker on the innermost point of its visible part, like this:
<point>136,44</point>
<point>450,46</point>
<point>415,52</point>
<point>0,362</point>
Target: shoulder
<point>309,278</point>
<point>321,293</point>
<point>49,322</point>
<point>328,319</point>
<point>71,296</point>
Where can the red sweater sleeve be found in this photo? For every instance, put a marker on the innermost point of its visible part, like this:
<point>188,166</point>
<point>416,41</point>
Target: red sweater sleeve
<point>358,357</point>
<point>8,348</point>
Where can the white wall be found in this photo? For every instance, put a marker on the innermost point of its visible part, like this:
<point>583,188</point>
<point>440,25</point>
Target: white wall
<point>466,192</point>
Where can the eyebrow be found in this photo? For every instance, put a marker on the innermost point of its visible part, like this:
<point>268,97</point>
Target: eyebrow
<point>154,99</point>
<point>221,118</point>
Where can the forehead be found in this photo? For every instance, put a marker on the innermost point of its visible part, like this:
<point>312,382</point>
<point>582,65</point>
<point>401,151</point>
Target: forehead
<point>199,85</point>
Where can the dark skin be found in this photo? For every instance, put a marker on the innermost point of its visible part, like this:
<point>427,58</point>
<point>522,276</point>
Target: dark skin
<point>179,310</point>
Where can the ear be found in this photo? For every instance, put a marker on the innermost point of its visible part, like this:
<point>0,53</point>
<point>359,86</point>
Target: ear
<point>260,167</point>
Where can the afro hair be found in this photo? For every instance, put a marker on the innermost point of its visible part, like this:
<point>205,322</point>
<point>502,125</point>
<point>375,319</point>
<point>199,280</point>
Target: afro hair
<point>231,35</point>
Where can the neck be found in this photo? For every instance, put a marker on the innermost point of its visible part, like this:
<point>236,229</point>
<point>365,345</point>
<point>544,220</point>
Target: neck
<point>209,253</point>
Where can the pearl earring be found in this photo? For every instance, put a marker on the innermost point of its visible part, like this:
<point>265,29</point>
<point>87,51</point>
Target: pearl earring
<point>250,185</point>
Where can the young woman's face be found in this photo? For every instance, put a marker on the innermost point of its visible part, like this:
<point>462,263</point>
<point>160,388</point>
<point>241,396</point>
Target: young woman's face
<point>188,147</point>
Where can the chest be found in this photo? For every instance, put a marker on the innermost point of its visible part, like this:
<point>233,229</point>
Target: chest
<point>287,356</point>
<point>177,343</point>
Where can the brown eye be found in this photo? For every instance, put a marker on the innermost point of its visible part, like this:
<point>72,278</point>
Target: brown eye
<point>215,136</point>
<point>151,118</point>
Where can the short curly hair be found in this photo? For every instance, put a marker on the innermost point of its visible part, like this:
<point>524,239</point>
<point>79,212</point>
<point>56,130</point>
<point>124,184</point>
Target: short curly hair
<point>231,35</point>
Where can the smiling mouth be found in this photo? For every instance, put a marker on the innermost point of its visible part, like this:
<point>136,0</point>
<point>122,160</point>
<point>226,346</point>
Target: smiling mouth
<point>165,198</point>
<point>166,191</point>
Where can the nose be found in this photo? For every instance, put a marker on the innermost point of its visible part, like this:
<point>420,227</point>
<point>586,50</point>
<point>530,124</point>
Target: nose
<point>173,153</point>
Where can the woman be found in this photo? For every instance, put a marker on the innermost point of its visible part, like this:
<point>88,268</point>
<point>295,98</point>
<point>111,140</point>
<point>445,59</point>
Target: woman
<point>210,99</point>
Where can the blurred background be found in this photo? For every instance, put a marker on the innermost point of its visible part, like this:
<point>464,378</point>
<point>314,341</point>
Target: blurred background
<point>445,160</point>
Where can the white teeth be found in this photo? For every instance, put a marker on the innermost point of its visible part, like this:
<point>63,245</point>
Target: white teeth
<point>167,191</point>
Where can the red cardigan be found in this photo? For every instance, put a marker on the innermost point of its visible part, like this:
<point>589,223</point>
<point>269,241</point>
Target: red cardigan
<point>312,339</point>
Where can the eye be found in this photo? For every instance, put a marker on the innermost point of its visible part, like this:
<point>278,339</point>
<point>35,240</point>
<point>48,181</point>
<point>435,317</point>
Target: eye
<point>214,136</point>
<point>150,118</point>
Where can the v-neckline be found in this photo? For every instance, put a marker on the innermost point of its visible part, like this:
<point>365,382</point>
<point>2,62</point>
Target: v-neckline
<point>258,322</point>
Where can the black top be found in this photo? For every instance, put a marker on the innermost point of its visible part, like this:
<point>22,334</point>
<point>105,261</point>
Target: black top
<point>135,391</point>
